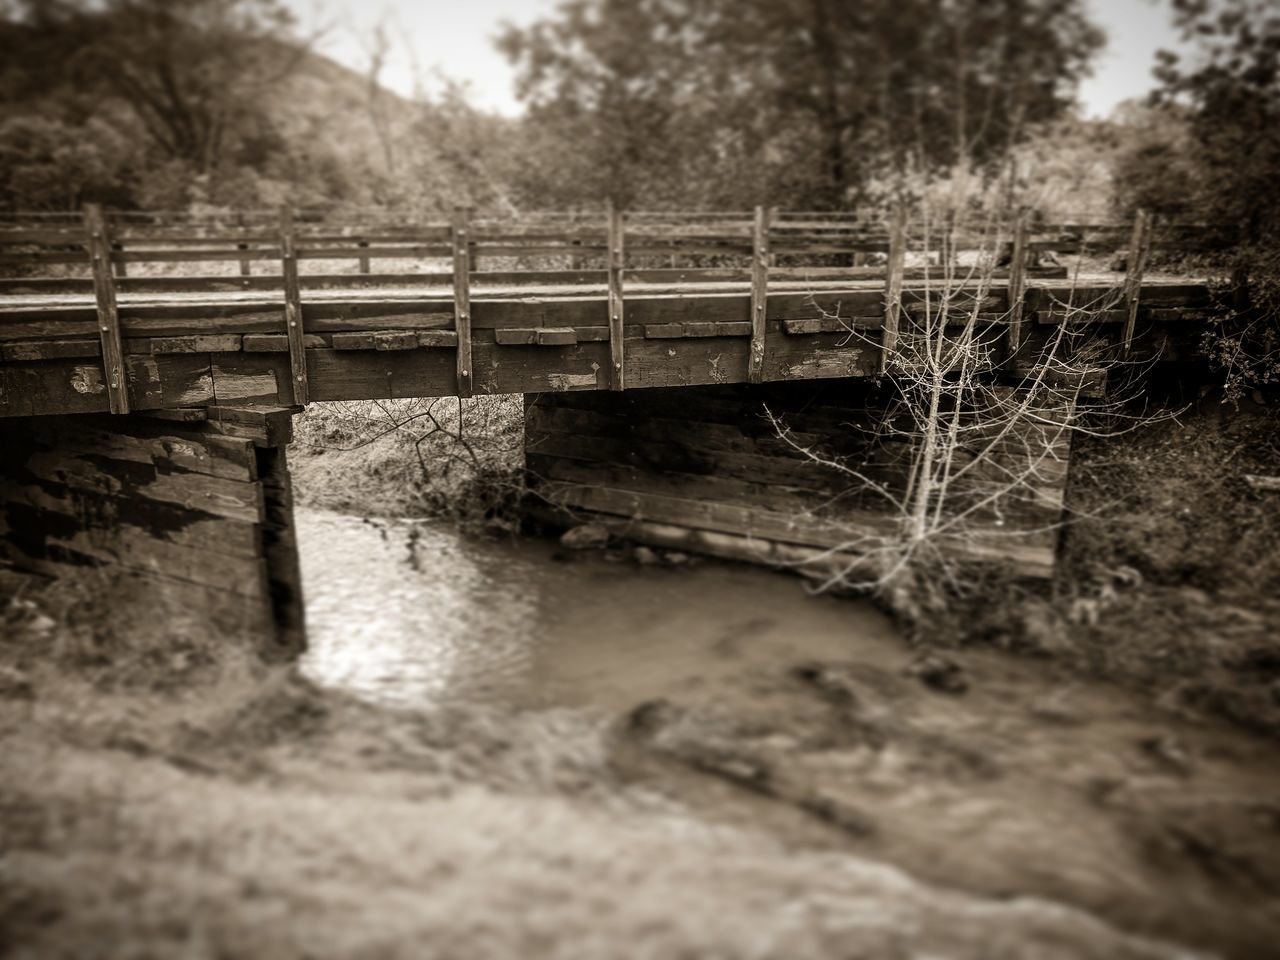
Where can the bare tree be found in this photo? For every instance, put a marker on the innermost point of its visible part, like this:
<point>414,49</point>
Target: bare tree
<point>969,460</point>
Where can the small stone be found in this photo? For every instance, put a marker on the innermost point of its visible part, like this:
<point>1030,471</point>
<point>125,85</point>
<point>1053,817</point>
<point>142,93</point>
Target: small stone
<point>14,684</point>
<point>41,625</point>
<point>1169,751</point>
<point>1194,596</point>
<point>646,557</point>
<point>589,536</point>
<point>939,673</point>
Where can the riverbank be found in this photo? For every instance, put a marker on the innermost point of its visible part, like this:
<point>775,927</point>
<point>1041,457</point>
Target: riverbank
<point>722,779</point>
<point>1168,576</point>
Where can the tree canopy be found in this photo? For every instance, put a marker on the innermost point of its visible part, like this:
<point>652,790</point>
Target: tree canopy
<point>731,101</point>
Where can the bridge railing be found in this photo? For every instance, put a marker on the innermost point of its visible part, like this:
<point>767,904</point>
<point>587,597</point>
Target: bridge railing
<point>437,267</point>
<point>159,252</point>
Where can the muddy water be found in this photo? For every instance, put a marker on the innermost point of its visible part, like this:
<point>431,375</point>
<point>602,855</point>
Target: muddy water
<point>408,613</point>
<point>754,704</point>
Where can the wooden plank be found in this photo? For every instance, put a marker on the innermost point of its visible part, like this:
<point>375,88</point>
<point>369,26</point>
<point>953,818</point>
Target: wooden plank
<point>293,317</point>
<point>617,257</point>
<point>557,336</point>
<point>543,336</point>
<point>759,293</point>
<point>462,300</point>
<point>1139,251</point>
<point>104,290</point>
<point>236,499</point>
<point>50,349</point>
<point>67,386</point>
<point>171,522</point>
<point>276,342</point>
<point>408,252</point>
<point>212,343</point>
<point>267,426</point>
<point>516,335</point>
<point>893,285</point>
<point>249,378</point>
<point>437,338</point>
<point>663,331</point>
<point>395,340</point>
<point>479,279</point>
<point>717,329</point>
<point>178,415</point>
<point>1017,280</point>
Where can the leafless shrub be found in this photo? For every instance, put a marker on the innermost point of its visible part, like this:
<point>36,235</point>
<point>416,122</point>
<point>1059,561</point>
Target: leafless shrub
<point>441,456</point>
<point>968,462</point>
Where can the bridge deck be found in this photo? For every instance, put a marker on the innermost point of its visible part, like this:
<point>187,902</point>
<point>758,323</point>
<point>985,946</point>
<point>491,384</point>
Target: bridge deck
<point>231,347</point>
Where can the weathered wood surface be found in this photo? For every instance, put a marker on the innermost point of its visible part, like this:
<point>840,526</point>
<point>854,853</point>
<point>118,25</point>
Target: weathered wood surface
<point>15,286</point>
<point>108,314</point>
<point>182,353</point>
<point>194,509</point>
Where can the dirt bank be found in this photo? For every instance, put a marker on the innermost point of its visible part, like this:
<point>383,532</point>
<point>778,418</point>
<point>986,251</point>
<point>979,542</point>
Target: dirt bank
<point>1169,569</point>
<point>743,790</point>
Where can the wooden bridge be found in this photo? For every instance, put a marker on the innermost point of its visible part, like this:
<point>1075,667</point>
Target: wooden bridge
<point>146,406</point>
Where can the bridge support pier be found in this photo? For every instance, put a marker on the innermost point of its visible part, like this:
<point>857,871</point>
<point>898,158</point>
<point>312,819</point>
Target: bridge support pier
<point>184,516</point>
<point>705,469</point>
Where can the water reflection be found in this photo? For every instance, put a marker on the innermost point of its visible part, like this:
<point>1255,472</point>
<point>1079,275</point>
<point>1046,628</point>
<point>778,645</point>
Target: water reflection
<point>409,613</point>
<point>404,613</point>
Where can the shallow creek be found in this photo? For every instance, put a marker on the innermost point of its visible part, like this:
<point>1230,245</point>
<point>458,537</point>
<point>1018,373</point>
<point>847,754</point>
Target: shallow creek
<point>754,704</point>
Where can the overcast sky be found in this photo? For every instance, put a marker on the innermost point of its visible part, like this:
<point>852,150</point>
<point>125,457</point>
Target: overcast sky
<point>455,38</point>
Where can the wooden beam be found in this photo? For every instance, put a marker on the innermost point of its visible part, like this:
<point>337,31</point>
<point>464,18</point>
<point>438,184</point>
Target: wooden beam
<point>462,298</point>
<point>617,261</point>
<point>759,293</point>
<point>893,285</point>
<point>244,264</point>
<point>1017,280</point>
<point>104,290</point>
<point>293,307</point>
<point>1139,251</point>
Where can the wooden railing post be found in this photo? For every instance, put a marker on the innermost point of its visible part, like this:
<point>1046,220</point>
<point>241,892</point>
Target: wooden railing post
<point>759,294</point>
<point>293,306</point>
<point>1135,265</point>
<point>460,234</point>
<point>893,285</point>
<point>473,256</point>
<point>104,291</point>
<point>122,268</point>
<point>364,260</point>
<point>1017,280</point>
<point>617,260</point>
<point>244,263</point>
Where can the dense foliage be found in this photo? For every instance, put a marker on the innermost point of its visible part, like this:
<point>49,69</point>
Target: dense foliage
<point>1229,95</point>
<point>175,103</point>
<point>723,102</point>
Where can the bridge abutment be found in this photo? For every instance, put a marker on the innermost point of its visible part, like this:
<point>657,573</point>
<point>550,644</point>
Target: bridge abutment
<point>188,514</point>
<point>708,469</point>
